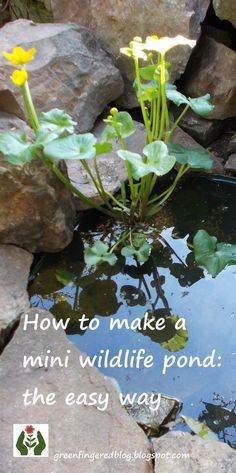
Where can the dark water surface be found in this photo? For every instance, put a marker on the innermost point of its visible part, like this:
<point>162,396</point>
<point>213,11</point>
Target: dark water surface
<point>169,283</point>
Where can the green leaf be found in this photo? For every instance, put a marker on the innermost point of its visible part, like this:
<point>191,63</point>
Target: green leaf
<point>72,147</point>
<point>158,161</point>
<point>202,430</point>
<point>108,133</point>
<point>103,148</point>
<point>99,253</point>
<point>179,340</point>
<point>147,72</point>
<point>149,90</point>
<point>58,121</point>
<point>195,158</point>
<point>176,97</point>
<point>65,277</point>
<point>125,124</point>
<point>141,249</point>
<point>16,148</point>
<point>211,255</point>
<point>201,105</point>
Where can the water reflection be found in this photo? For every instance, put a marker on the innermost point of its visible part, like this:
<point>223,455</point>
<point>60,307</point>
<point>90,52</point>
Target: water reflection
<point>168,286</point>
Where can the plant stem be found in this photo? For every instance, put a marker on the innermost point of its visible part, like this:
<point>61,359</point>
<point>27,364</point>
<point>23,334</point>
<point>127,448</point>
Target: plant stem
<point>142,104</point>
<point>29,106</point>
<point>169,133</point>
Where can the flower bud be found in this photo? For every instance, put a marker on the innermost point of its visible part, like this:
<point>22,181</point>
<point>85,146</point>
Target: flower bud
<point>113,111</point>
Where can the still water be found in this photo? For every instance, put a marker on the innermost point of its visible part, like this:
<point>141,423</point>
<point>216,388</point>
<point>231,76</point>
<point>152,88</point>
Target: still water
<point>169,285</point>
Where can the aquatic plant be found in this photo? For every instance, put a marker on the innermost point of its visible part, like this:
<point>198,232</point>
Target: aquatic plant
<point>56,139</point>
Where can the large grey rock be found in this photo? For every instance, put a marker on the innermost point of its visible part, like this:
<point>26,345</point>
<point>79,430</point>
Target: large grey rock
<point>202,130</point>
<point>70,70</point>
<point>14,272</point>
<point>212,69</point>
<point>199,455</point>
<point>36,211</point>
<point>116,23</point>
<point>226,10</point>
<point>72,429</point>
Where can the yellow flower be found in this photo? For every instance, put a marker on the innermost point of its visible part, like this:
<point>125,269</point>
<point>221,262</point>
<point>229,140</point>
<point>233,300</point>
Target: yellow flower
<point>164,44</point>
<point>19,56</point>
<point>19,77</point>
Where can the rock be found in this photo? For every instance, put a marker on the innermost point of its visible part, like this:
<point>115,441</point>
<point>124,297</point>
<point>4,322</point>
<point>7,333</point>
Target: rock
<point>222,36</point>
<point>211,63</point>
<point>14,272</point>
<point>199,455</point>
<point>232,144</point>
<point>75,428</point>
<point>70,70</point>
<point>226,10</point>
<point>181,137</point>
<point>151,420</point>
<point>36,211</point>
<point>116,23</point>
<point>111,167</point>
<point>230,164</point>
<point>202,130</point>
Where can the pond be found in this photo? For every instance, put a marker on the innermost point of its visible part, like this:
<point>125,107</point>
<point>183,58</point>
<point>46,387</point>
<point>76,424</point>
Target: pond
<point>169,284</point>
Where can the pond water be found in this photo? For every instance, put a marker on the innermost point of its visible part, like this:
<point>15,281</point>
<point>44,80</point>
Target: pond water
<point>170,283</point>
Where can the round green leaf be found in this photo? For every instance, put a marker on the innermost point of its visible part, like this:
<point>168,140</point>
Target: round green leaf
<point>201,105</point>
<point>16,148</point>
<point>57,120</point>
<point>99,253</point>
<point>194,158</point>
<point>72,147</point>
<point>211,255</point>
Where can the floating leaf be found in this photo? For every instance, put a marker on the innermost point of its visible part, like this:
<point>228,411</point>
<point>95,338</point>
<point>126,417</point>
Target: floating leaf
<point>16,148</point>
<point>202,430</point>
<point>65,277</point>
<point>58,121</point>
<point>179,340</point>
<point>140,248</point>
<point>195,158</point>
<point>72,147</point>
<point>99,253</point>
<point>211,255</point>
<point>158,161</point>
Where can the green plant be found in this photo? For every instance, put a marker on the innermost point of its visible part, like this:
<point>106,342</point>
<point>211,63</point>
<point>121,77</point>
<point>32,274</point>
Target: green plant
<point>56,139</point>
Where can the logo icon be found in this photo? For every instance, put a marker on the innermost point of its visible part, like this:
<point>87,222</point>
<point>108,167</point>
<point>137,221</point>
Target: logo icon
<point>30,440</point>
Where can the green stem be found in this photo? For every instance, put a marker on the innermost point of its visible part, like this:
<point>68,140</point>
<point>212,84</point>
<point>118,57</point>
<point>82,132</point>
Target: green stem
<point>169,133</point>
<point>163,97</point>
<point>142,104</point>
<point>30,110</point>
<point>75,191</point>
<point>183,169</point>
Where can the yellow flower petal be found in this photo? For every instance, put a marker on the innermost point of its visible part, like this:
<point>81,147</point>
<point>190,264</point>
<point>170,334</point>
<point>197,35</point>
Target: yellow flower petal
<point>19,77</point>
<point>19,56</point>
<point>164,44</point>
